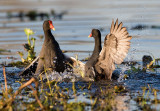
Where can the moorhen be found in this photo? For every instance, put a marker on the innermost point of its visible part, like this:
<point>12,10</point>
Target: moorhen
<point>115,48</point>
<point>51,56</point>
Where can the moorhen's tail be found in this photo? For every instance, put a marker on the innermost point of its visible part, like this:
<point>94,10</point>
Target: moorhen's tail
<point>115,49</point>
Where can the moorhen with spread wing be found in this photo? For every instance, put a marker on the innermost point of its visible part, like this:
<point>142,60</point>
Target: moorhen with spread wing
<point>115,48</point>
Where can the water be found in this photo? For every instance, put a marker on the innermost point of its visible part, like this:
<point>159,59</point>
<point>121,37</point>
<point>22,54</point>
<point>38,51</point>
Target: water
<point>75,26</point>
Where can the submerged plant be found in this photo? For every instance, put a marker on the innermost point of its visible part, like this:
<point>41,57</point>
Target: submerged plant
<point>4,50</point>
<point>28,46</point>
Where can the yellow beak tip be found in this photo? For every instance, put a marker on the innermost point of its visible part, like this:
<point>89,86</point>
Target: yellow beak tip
<point>54,29</point>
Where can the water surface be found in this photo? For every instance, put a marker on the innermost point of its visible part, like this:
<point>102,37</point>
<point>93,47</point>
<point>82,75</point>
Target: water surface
<point>73,29</point>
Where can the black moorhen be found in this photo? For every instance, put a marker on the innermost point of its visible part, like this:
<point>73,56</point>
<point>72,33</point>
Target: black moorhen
<point>51,57</point>
<point>115,48</point>
<point>89,66</point>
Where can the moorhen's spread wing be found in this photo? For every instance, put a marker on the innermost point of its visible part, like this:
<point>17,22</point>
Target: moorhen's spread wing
<point>115,49</point>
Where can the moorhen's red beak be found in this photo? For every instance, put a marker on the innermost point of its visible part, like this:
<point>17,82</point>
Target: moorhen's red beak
<point>51,25</point>
<point>90,35</point>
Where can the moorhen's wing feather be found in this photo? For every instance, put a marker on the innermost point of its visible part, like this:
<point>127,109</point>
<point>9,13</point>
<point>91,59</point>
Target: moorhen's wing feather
<point>115,49</point>
<point>77,62</point>
<point>79,70</point>
<point>78,67</point>
<point>31,68</point>
<point>120,49</point>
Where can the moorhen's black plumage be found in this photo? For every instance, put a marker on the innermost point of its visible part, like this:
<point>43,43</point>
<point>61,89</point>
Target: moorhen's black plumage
<point>89,66</point>
<point>51,57</point>
<point>115,49</point>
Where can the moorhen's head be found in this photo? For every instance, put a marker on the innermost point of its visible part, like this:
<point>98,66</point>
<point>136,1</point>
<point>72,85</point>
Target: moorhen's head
<point>95,33</point>
<point>47,25</point>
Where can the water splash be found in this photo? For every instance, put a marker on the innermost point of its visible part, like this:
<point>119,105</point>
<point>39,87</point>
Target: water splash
<point>65,76</point>
<point>122,73</point>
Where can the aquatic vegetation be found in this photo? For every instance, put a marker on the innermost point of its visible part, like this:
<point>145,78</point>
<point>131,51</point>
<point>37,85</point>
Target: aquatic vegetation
<point>21,55</point>
<point>119,88</point>
<point>8,96</point>
<point>4,50</point>
<point>105,100</point>
<point>43,15</point>
<point>150,63</point>
<point>50,95</point>
<point>85,59</point>
<point>143,27</point>
<point>52,12</point>
<point>132,70</point>
<point>147,98</point>
<point>29,47</point>
<point>140,27</point>
<point>32,15</point>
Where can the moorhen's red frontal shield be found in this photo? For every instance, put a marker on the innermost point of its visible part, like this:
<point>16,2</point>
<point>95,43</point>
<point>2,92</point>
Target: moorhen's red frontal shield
<point>51,25</point>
